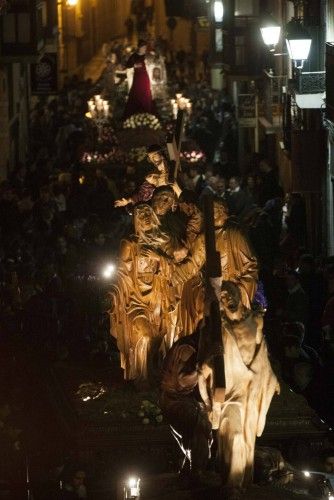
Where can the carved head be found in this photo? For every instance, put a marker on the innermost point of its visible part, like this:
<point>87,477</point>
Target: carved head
<point>154,154</point>
<point>220,213</point>
<point>188,202</point>
<point>164,200</point>
<point>230,297</point>
<point>153,178</point>
<point>144,218</point>
<point>142,47</point>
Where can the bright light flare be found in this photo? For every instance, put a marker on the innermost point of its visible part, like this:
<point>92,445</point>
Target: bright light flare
<point>299,50</point>
<point>132,482</point>
<point>71,3</point>
<point>218,10</point>
<point>108,271</point>
<point>270,35</point>
<point>132,488</point>
<point>306,473</point>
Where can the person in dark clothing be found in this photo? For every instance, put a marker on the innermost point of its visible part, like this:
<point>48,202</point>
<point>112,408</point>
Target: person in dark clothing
<point>269,185</point>
<point>238,201</point>
<point>197,179</point>
<point>296,305</point>
<point>181,59</point>
<point>314,287</point>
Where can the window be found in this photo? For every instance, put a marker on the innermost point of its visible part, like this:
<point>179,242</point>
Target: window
<point>246,8</point>
<point>240,51</point>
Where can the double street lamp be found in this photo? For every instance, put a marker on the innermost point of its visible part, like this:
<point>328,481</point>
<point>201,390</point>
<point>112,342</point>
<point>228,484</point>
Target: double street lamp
<point>297,38</point>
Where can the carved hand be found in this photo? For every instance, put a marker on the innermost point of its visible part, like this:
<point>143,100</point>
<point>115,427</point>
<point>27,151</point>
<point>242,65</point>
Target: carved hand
<point>149,253</point>
<point>121,203</point>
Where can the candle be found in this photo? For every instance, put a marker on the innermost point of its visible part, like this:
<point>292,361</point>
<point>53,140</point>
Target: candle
<point>106,109</point>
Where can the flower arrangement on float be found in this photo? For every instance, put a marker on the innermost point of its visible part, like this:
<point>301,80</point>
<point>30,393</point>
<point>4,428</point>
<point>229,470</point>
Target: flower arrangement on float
<point>99,158</point>
<point>137,154</point>
<point>142,120</point>
<point>108,136</point>
<point>150,413</point>
<point>194,156</point>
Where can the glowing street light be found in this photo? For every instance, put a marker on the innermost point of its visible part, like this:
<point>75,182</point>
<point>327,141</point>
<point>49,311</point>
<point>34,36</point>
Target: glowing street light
<point>132,488</point>
<point>108,271</point>
<point>298,42</point>
<point>218,11</point>
<point>270,31</point>
<point>71,3</point>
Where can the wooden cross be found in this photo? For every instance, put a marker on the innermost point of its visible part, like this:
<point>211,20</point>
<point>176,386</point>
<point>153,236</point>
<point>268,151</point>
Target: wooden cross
<point>174,142</point>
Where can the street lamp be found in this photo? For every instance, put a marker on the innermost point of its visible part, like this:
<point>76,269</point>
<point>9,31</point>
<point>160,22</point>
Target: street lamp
<point>298,42</point>
<point>270,31</point>
<point>132,488</point>
<point>218,11</point>
<point>61,44</point>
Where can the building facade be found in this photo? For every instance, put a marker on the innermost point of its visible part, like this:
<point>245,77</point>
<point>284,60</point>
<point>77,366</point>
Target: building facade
<point>281,108</point>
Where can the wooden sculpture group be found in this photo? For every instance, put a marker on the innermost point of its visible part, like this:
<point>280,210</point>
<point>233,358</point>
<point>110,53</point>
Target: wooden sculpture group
<point>183,315</point>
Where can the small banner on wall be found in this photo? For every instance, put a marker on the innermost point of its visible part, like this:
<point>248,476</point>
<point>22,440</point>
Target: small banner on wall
<point>44,75</point>
<point>247,110</point>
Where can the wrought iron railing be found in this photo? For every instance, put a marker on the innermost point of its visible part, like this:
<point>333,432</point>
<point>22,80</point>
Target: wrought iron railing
<point>313,82</point>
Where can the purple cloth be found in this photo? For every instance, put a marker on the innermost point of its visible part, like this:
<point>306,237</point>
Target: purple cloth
<point>260,297</point>
<point>145,193</point>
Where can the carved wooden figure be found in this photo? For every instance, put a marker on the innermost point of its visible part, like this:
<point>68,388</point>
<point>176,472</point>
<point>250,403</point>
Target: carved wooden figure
<point>250,386</point>
<point>142,297</point>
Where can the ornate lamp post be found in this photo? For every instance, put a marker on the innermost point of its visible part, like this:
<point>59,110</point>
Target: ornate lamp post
<point>270,31</point>
<point>216,16</point>
<point>298,42</point>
